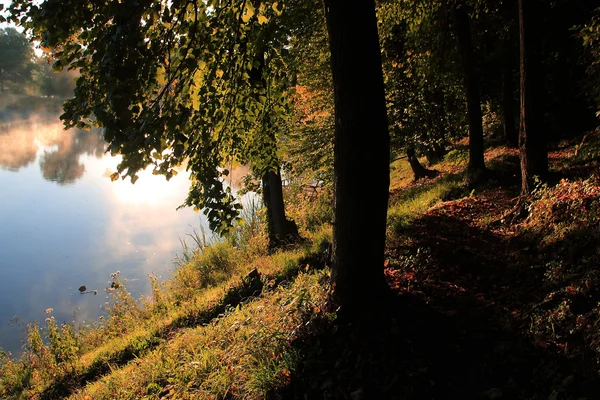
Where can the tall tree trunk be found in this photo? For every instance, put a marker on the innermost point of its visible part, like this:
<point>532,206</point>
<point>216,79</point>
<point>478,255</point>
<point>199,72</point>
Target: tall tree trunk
<point>281,230</point>
<point>418,170</point>
<point>476,166</point>
<point>532,146</point>
<point>511,135</point>
<point>362,151</point>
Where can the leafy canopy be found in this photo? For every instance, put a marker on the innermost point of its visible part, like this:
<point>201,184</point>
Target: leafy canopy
<point>200,83</point>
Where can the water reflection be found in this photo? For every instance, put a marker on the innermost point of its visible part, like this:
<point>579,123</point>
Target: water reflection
<point>62,165</point>
<point>22,140</point>
<point>56,237</point>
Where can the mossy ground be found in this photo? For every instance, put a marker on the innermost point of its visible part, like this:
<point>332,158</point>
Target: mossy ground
<point>484,308</point>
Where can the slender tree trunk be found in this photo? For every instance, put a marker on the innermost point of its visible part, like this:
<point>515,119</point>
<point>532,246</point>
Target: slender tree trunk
<point>509,104</point>
<point>362,150</point>
<point>532,146</point>
<point>281,230</point>
<point>511,135</point>
<point>418,170</point>
<point>476,160</point>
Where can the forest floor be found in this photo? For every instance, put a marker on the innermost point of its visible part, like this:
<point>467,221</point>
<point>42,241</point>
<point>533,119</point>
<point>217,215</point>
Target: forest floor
<point>483,306</point>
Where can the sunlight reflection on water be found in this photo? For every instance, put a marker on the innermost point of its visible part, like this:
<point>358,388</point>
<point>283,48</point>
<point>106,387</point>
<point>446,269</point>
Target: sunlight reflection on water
<point>64,224</point>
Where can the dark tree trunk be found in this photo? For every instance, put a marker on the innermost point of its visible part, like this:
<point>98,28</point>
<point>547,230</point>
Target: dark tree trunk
<point>463,31</point>
<point>511,134</point>
<point>418,170</point>
<point>532,146</point>
<point>509,104</point>
<point>362,151</point>
<point>281,230</point>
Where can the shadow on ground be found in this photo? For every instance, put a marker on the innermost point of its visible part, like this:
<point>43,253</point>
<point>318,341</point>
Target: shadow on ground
<point>458,326</point>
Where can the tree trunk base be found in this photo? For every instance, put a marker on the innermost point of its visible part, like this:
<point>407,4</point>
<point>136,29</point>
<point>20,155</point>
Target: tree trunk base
<point>378,307</point>
<point>476,176</point>
<point>290,237</point>
<point>426,173</point>
<point>515,215</point>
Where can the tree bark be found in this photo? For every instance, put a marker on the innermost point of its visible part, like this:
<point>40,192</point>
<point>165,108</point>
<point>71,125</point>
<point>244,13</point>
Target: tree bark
<point>511,135</point>
<point>532,146</point>
<point>362,151</point>
<point>508,103</point>
<point>476,165</point>
<point>280,229</point>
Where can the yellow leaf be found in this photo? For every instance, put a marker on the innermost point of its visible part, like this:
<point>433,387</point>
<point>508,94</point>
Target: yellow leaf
<point>274,7</point>
<point>248,14</point>
<point>262,19</point>
<point>160,76</point>
<point>219,73</point>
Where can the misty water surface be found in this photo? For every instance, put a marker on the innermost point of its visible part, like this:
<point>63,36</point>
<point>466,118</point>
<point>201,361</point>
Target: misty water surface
<point>64,224</point>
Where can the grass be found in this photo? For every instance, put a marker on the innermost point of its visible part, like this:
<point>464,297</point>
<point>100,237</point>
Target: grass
<point>212,281</point>
<point>416,200</point>
<point>246,351</point>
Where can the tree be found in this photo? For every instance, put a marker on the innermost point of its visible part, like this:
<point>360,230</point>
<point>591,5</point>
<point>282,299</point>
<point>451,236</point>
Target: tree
<point>419,171</point>
<point>476,165</point>
<point>362,146</point>
<point>52,84</point>
<point>423,81</point>
<point>533,153</point>
<point>175,82</point>
<point>17,56</point>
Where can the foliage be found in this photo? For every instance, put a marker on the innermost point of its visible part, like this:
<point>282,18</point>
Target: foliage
<point>51,83</point>
<point>424,88</point>
<point>559,211</point>
<point>174,81</point>
<point>311,206</point>
<point>16,63</point>
<point>590,36</point>
<point>308,146</point>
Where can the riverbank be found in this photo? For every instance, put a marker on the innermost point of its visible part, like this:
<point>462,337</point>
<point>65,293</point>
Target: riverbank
<point>485,308</point>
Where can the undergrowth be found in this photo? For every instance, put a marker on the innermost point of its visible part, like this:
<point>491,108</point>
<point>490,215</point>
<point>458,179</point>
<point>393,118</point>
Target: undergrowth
<point>565,222</point>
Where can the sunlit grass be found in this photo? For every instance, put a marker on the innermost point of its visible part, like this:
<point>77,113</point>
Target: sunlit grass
<point>213,280</point>
<point>247,351</point>
<point>417,200</point>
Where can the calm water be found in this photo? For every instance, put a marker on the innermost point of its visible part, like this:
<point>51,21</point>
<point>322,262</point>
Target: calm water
<point>64,224</point>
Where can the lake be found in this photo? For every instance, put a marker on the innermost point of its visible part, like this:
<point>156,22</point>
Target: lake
<point>64,224</point>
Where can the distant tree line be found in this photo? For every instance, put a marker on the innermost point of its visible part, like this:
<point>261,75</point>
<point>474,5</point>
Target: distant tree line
<point>22,72</point>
